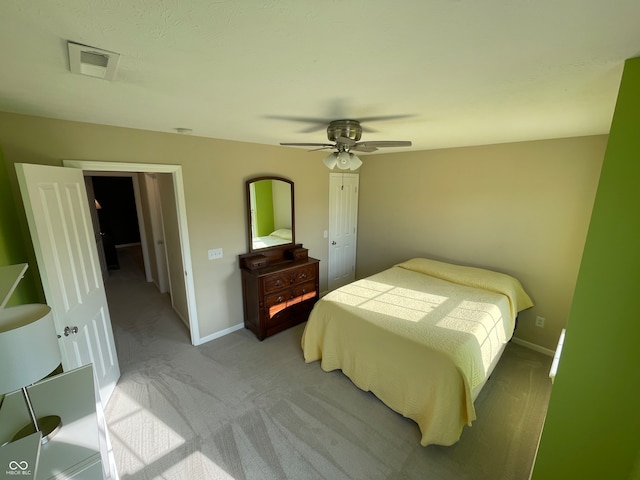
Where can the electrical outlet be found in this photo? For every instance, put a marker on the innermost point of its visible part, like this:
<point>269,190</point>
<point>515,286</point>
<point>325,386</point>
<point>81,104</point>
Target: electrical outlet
<point>215,253</point>
<point>540,322</point>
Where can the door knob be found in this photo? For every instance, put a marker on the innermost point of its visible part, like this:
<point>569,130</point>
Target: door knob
<point>333,243</point>
<point>69,330</point>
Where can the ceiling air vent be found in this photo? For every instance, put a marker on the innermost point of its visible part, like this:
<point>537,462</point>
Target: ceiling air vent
<point>86,60</point>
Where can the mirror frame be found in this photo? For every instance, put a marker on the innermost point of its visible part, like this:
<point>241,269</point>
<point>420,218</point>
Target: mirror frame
<point>248,205</point>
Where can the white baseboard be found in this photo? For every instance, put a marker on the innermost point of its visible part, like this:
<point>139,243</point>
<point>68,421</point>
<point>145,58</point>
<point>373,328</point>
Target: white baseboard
<point>533,346</point>
<point>221,333</point>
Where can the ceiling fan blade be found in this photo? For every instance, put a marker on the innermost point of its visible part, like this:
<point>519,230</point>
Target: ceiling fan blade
<point>378,118</point>
<point>307,144</point>
<point>321,148</point>
<point>293,118</point>
<point>362,148</point>
<point>316,124</point>
<point>385,143</point>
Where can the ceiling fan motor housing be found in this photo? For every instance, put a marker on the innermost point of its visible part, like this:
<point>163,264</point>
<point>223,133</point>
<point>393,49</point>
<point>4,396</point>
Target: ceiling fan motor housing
<point>344,128</point>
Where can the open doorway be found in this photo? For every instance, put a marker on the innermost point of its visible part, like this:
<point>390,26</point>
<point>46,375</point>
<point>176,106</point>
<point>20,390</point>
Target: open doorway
<point>179,270</point>
<point>123,205</point>
<point>120,217</point>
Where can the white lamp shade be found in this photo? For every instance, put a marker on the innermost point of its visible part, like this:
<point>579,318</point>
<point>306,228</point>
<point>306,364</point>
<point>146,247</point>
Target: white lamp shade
<point>355,163</point>
<point>344,160</point>
<point>28,346</point>
<point>331,160</point>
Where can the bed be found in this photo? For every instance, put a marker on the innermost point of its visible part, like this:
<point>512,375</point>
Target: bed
<point>423,336</point>
<point>277,237</point>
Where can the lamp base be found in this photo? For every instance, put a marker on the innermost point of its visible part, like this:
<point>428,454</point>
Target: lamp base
<point>49,426</point>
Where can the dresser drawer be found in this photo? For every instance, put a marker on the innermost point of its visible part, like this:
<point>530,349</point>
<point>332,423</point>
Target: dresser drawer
<point>304,290</point>
<point>303,274</point>
<point>281,317</point>
<point>277,281</point>
<point>278,298</point>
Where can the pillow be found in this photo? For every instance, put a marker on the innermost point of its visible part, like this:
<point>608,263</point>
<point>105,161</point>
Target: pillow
<point>283,233</point>
<point>474,277</point>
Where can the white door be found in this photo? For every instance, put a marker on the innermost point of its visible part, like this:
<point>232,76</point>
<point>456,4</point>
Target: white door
<point>55,202</point>
<point>93,211</point>
<point>157,231</point>
<point>172,242</point>
<point>343,222</point>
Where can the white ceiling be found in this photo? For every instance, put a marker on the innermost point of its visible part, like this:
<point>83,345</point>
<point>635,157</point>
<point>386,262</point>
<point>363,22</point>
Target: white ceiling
<point>464,72</point>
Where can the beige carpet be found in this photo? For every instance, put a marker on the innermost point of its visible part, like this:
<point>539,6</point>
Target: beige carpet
<point>237,408</point>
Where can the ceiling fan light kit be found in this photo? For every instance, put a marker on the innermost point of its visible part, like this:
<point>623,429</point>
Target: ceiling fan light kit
<point>345,134</point>
<point>343,160</point>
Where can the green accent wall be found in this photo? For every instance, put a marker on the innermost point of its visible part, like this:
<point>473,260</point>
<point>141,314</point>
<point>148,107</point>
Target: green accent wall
<point>264,207</point>
<point>592,429</point>
<point>12,246</point>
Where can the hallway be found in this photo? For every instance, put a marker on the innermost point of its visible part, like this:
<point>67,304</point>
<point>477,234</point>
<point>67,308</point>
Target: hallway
<point>139,312</point>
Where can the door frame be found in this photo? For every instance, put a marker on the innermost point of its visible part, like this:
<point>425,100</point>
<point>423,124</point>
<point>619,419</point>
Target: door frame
<point>178,185</point>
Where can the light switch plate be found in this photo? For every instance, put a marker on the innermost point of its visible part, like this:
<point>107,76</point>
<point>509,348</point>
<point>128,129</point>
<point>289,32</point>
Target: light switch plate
<point>215,253</point>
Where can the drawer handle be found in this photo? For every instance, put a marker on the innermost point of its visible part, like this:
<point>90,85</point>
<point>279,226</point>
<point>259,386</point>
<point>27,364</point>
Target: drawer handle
<point>304,290</point>
<point>280,299</point>
<point>303,276</point>
<point>278,283</point>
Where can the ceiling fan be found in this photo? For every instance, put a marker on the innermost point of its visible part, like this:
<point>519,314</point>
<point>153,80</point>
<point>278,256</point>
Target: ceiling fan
<point>346,135</point>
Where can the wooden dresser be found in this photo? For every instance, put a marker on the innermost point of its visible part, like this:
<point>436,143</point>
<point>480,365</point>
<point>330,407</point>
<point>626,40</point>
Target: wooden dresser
<point>279,288</point>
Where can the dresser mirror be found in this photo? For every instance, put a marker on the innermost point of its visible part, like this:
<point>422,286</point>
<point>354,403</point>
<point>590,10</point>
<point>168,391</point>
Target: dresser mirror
<point>270,212</point>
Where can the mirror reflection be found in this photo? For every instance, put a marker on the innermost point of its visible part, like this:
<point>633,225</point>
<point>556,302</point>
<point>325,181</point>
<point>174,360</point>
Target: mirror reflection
<point>270,201</point>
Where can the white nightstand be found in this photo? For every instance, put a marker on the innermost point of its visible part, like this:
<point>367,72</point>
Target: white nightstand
<point>74,452</point>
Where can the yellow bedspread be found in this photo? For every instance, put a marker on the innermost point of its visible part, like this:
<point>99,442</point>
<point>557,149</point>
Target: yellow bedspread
<point>421,344</point>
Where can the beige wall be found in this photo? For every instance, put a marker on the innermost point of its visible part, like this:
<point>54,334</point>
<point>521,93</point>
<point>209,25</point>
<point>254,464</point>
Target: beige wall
<point>214,172</point>
<point>520,208</point>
